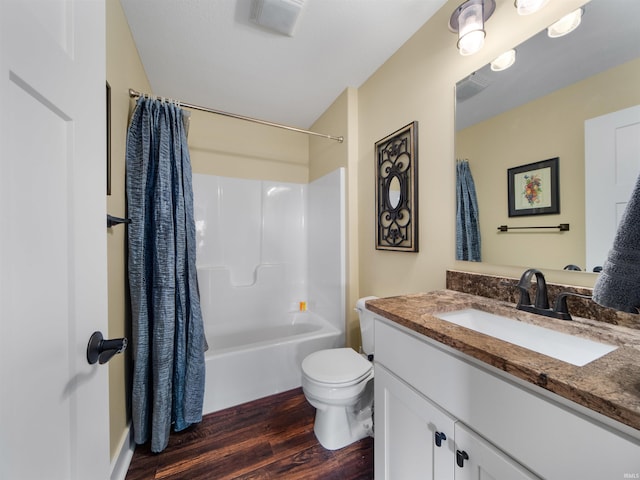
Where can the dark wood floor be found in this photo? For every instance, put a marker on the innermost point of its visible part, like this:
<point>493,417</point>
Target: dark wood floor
<point>271,438</point>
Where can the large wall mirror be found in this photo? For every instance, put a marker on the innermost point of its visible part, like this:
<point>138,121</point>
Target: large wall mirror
<point>536,110</point>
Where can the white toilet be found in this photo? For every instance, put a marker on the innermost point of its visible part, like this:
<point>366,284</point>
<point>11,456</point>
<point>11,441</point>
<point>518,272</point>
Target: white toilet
<point>339,383</point>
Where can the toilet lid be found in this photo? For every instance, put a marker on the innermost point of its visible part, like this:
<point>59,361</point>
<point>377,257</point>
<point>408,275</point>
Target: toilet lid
<point>337,365</point>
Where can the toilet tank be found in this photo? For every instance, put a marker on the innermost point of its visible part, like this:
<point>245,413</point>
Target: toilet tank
<point>366,325</point>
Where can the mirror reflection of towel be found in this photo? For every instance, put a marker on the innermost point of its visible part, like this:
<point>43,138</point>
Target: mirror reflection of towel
<point>468,244</point>
<point>618,286</point>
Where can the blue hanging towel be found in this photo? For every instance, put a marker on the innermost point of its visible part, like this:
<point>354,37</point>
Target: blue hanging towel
<point>167,329</point>
<point>467,215</point>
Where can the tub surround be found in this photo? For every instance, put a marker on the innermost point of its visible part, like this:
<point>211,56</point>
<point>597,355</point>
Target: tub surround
<point>609,385</point>
<point>271,277</point>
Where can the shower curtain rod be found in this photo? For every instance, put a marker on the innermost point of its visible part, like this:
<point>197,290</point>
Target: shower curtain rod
<point>340,139</point>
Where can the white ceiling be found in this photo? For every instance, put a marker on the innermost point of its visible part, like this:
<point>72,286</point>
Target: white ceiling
<point>208,52</point>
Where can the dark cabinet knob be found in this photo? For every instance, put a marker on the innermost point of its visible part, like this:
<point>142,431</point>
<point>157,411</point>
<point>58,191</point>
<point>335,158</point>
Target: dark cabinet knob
<point>461,456</point>
<point>439,438</point>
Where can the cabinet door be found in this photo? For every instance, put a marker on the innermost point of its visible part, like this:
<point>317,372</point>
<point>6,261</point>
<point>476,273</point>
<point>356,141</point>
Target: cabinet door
<point>406,425</point>
<point>476,459</point>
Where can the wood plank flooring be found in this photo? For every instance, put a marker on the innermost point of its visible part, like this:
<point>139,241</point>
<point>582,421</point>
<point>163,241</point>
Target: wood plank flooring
<point>270,438</point>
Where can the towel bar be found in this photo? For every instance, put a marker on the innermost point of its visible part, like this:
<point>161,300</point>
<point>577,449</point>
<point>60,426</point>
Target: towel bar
<point>563,227</point>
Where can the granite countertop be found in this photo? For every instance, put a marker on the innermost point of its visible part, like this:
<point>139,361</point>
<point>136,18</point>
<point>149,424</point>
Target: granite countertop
<point>609,385</point>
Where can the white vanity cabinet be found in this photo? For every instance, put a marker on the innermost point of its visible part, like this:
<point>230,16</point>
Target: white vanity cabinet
<point>508,431</point>
<point>417,440</point>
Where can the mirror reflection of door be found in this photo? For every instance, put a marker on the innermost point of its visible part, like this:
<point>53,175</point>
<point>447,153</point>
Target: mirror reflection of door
<point>612,165</point>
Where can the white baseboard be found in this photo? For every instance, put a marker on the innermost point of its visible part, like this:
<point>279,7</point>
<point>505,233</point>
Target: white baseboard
<point>120,463</point>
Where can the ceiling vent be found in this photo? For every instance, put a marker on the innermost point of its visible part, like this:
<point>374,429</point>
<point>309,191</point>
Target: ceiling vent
<point>470,86</point>
<point>278,15</point>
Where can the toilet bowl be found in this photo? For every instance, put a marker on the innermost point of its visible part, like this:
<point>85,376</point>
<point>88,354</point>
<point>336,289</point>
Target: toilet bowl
<point>339,384</point>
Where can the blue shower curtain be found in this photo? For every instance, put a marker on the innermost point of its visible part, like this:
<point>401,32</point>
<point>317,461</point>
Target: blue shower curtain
<point>467,216</point>
<point>167,330</point>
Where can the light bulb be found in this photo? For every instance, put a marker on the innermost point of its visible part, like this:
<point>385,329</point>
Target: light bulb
<point>471,43</point>
<point>504,61</point>
<point>527,7</point>
<point>471,29</point>
<point>566,24</point>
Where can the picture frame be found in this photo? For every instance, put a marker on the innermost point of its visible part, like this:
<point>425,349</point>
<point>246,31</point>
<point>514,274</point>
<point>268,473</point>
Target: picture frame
<point>534,189</point>
<point>396,164</point>
<point>108,137</point>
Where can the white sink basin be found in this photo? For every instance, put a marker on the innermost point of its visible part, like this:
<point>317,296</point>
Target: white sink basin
<point>562,346</point>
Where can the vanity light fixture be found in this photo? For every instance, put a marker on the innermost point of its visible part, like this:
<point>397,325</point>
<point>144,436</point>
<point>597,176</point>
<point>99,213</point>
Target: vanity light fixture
<point>468,20</point>
<point>527,7</point>
<point>504,61</point>
<point>566,24</point>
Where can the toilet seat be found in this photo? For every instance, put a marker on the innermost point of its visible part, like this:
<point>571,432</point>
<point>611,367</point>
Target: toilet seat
<point>337,366</point>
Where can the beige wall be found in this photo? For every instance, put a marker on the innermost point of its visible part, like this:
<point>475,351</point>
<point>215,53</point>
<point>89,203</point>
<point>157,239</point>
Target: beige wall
<point>124,71</point>
<point>341,119</point>
<point>552,126</point>
<point>417,83</point>
<point>228,147</point>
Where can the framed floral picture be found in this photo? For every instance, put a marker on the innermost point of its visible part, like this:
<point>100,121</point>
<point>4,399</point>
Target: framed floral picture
<point>533,189</point>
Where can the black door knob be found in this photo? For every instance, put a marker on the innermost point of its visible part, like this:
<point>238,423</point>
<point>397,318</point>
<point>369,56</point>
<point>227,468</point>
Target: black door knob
<point>101,350</point>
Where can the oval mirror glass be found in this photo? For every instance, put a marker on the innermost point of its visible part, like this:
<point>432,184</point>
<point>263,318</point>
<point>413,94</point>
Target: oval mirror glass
<point>394,192</point>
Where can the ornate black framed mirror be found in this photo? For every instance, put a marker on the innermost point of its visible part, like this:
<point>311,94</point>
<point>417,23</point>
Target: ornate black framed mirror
<point>397,190</point>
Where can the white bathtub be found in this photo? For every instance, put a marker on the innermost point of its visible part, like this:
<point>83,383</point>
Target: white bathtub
<point>254,361</point>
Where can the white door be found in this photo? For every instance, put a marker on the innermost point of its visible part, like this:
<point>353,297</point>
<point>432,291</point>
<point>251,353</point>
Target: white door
<point>53,404</point>
<point>612,164</point>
